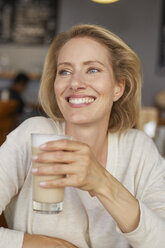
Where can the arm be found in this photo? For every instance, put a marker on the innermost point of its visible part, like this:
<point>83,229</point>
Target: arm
<point>15,163</point>
<point>38,241</point>
<point>9,187</point>
<point>119,202</point>
<point>12,238</point>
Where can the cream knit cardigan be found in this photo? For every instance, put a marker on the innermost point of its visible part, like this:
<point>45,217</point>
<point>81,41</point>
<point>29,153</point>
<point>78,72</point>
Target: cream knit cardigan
<point>132,158</point>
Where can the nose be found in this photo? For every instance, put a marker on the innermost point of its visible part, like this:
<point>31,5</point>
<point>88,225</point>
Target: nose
<point>77,82</point>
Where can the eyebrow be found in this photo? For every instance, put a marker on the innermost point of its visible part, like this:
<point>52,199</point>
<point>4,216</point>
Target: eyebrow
<point>63,63</point>
<point>92,62</point>
<point>85,63</point>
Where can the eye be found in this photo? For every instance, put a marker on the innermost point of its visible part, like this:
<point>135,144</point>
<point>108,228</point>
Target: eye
<point>93,70</point>
<point>64,72</point>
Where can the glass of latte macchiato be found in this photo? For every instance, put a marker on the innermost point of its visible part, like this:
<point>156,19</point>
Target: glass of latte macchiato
<point>45,200</point>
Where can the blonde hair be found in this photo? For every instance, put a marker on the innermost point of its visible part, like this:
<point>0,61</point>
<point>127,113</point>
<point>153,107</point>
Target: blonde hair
<point>125,64</point>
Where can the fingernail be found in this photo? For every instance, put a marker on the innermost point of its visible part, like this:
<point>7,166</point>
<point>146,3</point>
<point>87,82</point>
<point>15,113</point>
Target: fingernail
<point>34,170</point>
<point>43,184</point>
<point>34,157</point>
<point>43,145</point>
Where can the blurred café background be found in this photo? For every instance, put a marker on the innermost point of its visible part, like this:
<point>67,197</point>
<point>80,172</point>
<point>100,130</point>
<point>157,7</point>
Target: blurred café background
<point>27,28</point>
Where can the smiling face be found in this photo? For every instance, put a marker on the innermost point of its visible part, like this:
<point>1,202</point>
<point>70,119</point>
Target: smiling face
<point>84,86</point>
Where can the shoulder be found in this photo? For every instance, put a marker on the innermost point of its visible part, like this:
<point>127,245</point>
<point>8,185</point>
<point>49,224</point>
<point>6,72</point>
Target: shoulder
<point>41,124</point>
<point>137,146</point>
<point>134,137</point>
<point>35,125</point>
<point>137,154</point>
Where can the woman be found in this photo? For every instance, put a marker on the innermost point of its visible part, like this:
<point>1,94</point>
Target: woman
<point>115,189</point>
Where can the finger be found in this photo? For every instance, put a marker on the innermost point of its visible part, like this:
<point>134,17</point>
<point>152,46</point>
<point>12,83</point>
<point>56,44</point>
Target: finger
<point>71,181</point>
<point>67,145</point>
<point>57,169</point>
<point>54,157</point>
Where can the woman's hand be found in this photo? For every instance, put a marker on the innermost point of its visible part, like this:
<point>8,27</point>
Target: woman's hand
<point>75,161</point>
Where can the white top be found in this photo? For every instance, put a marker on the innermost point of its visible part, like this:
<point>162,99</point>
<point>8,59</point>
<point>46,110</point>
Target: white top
<point>132,158</point>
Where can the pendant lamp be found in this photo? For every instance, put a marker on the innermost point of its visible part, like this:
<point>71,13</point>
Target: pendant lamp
<point>105,1</point>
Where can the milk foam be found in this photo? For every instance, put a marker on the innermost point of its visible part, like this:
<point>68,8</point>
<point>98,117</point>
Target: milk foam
<point>40,139</point>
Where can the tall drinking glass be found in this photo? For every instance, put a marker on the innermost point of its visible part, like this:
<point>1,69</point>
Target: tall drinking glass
<point>46,201</point>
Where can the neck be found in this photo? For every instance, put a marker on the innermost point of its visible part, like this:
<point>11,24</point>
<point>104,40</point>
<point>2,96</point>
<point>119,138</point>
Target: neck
<point>94,136</point>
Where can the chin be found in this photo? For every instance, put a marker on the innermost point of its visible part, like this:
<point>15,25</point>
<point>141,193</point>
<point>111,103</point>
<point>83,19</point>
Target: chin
<point>78,120</point>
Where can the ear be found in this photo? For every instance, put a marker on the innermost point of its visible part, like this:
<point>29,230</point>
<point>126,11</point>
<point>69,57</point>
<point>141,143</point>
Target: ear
<point>118,89</point>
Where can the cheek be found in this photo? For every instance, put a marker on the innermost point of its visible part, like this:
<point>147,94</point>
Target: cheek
<point>105,89</point>
<point>57,88</point>
<point>60,86</point>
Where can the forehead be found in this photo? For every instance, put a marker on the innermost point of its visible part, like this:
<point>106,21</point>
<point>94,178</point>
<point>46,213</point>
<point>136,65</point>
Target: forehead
<point>84,48</point>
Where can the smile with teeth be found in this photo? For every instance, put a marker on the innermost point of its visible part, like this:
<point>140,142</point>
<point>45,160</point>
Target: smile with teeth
<point>81,100</point>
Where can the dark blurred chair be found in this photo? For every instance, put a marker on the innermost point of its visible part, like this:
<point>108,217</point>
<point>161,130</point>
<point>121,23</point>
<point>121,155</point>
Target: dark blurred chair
<point>7,124</point>
<point>8,118</point>
<point>3,221</point>
<point>160,104</point>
